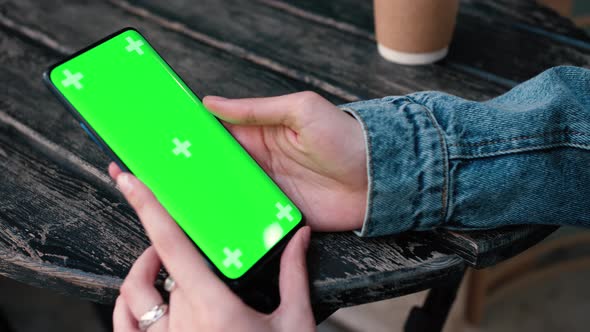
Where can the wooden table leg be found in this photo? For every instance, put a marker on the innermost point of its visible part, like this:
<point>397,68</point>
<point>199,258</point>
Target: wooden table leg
<point>431,317</point>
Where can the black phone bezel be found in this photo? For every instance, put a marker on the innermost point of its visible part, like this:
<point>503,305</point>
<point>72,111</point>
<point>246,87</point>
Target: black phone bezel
<point>236,284</point>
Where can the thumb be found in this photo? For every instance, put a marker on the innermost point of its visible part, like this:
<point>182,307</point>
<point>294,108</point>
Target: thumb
<point>295,308</point>
<point>285,110</point>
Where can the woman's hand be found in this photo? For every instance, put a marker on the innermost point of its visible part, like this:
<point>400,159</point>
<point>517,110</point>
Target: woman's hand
<point>200,301</point>
<point>313,150</point>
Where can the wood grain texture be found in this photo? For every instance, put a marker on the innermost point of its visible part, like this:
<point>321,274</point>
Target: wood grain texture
<point>485,248</point>
<point>30,102</point>
<point>358,15</point>
<point>61,229</point>
<point>337,57</point>
<point>203,67</point>
<point>502,41</point>
<point>376,268</point>
<point>64,227</point>
<point>524,12</point>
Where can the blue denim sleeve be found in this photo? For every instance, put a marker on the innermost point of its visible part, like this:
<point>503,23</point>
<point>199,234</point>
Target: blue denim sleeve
<point>436,160</point>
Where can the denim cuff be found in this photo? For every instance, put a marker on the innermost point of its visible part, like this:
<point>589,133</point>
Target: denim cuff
<point>407,165</point>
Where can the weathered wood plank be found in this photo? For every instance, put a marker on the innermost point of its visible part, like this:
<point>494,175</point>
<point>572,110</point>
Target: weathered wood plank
<point>508,53</point>
<point>335,56</point>
<point>56,215</point>
<point>354,15</point>
<point>494,40</point>
<point>523,14</point>
<point>377,268</point>
<point>24,97</point>
<point>58,228</point>
<point>481,249</point>
<point>70,282</point>
<point>45,188</point>
<point>207,70</point>
<point>28,101</point>
<point>350,15</point>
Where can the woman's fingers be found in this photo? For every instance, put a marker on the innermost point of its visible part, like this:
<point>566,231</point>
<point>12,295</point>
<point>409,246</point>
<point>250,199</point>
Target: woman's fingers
<point>114,170</point>
<point>138,292</point>
<point>123,320</point>
<point>288,110</point>
<point>182,261</point>
<point>138,289</point>
<point>295,308</point>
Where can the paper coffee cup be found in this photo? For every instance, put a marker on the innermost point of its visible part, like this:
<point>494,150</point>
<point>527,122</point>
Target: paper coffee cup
<point>414,32</point>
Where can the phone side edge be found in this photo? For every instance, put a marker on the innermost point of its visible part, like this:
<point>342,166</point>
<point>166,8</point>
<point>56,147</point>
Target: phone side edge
<point>78,117</point>
<point>274,253</point>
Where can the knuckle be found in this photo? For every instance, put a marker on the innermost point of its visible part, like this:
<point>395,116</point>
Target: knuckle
<point>308,101</point>
<point>167,241</point>
<point>249,115</point>
<point>310,95</point>
<point>135,198</point>
<point>118,307</point>
<point>126,289</point>
<point>119,301</point>
<point>140,201</point>
<point>308,98</point>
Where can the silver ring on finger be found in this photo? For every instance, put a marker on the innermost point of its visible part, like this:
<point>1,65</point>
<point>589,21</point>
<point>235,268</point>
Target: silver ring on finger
<point>152,316</point>
<point>169,284</point>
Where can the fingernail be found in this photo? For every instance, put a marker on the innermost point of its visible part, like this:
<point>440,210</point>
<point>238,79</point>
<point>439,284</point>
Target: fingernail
<point>124,182</point>
<point>215,98</point>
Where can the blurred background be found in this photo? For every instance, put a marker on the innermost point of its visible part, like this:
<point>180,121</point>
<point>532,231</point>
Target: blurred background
<point>577,10</point>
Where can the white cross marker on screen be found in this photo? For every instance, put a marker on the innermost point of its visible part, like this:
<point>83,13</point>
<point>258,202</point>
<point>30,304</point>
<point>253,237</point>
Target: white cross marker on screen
<point>72,79</point>
<point>284,211</point>
<point>232,258</point>
<point>181,147</point>
<point>134,45</point>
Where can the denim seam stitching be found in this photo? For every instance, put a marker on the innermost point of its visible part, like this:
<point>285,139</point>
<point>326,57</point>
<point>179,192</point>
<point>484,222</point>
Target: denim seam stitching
<point>523,149</point>
<point>521,138</point>
<point>445,159</point>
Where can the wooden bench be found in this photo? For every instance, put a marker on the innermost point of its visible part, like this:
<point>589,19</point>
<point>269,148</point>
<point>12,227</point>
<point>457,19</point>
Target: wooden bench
<point>63,226</point>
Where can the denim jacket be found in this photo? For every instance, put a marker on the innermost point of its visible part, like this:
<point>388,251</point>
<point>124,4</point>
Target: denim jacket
<point>436,160</point>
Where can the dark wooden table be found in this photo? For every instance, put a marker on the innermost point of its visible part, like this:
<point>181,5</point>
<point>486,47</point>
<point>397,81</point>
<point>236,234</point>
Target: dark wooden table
<point>63,226</point>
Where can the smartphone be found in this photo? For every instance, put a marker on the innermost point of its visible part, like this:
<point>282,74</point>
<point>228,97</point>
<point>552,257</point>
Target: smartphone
<point>144,116</point>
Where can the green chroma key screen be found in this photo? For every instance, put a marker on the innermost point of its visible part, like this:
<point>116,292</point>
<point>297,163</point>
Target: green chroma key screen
<point>160,130</point>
